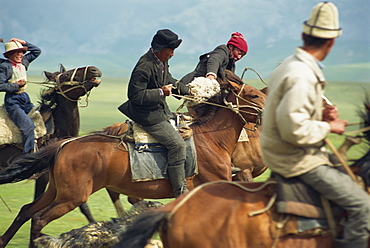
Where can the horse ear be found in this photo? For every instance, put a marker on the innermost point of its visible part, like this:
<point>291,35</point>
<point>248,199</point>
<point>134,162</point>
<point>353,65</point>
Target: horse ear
<point>234,86</point>
<point>62,68</point>
<point>50,76</point>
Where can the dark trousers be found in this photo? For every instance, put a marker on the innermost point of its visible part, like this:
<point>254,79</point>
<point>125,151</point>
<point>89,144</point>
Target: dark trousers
<point>168,136</point>
<point>18,106</point>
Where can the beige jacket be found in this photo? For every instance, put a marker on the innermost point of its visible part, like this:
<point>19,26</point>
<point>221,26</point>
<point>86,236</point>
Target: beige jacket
<point>293,134</point>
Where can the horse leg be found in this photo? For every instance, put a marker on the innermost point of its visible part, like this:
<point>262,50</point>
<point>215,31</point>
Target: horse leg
<point>84,208</point>
<point>114,196</point>
<point>40,184</point>
<point>26,212</point>
<point>244,176</point>
<point>54,211</point>
<point>40,187</point>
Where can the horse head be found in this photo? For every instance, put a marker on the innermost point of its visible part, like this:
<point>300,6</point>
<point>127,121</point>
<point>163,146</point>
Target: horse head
<point>246,101</point>
<point>73,84</point>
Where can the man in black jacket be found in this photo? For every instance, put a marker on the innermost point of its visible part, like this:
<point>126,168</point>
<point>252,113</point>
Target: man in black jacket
<point>148,87</point>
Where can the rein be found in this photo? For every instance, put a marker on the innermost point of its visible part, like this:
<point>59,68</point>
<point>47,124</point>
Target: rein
<point>235,108</point>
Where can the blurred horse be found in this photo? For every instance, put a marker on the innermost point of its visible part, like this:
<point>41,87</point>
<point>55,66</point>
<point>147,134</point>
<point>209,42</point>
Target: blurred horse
<point>230,214</point>
<point>81,166</point>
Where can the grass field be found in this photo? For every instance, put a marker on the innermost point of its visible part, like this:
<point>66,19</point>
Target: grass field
<point>101,112</point>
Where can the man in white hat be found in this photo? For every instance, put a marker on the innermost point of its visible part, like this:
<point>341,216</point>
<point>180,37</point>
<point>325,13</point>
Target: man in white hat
<point>296,124</point>
<point>13,79</point>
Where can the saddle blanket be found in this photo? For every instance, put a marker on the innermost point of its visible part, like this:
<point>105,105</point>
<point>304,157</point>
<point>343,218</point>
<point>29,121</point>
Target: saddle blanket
<point>296,197</point>
<point>10,133</point>
<point>148,161</point>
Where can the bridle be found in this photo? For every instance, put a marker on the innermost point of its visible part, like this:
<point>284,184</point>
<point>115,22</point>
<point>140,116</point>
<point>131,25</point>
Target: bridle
<point>75,84</point>
<point>236,108</point>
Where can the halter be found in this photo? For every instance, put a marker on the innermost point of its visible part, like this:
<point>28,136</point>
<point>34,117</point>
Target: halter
<point>237,109</point>
<point>58,86</point>
<point>75,84</point>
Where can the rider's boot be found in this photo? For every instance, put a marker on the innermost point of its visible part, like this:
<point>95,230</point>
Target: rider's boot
<point>177,177</point>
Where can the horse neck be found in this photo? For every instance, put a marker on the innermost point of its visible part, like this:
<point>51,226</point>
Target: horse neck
<point>223,129</point>
<point>66,118</point>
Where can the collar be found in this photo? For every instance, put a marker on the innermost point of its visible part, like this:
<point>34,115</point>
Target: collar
<point>321,65</point>
<point>156,58</point>
<point>14,63</point>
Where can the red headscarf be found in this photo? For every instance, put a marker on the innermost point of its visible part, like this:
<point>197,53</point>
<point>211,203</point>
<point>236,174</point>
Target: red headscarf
<point>238,41</point>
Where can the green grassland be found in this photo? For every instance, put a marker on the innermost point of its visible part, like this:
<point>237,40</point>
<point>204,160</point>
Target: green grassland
<point>101,112</point>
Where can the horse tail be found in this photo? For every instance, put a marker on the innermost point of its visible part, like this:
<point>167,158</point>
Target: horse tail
<point>25,166</point>
<point>142,229</point>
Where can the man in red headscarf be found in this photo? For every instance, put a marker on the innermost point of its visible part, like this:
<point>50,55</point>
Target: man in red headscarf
<point>213,64</point>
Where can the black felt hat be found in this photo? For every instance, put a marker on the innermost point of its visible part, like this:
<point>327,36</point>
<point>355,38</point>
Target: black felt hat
<point>165,38</point>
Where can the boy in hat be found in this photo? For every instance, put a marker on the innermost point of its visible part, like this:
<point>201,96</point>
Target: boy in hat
<point>296,124</point>
<point>13,80</point>
<point>214,63</point>
<point>148,87</point>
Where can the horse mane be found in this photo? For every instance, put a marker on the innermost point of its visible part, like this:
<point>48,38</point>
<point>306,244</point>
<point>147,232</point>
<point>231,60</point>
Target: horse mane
<point>115,129</point>
<point>205,112</point>
<point>47,98</point>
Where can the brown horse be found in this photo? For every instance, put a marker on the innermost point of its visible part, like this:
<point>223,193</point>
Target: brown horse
<point>226,214</point>
<point>84,165</point>
<point>247,155</point>
<point>229,214</point>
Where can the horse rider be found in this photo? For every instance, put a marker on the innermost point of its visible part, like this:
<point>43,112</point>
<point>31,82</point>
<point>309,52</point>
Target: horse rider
<point>13,80</point>
<point>213,64</point>
<point>296,125</point>
<point>149,85</point>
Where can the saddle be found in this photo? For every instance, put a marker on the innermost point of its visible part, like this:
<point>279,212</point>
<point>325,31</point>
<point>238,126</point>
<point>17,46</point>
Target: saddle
<point>298,210</point>
<point>10,133</point>
<point>148,158</point>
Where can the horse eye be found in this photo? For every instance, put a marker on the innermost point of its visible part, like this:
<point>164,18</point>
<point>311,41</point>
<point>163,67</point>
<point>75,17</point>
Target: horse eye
<point>254,96</point>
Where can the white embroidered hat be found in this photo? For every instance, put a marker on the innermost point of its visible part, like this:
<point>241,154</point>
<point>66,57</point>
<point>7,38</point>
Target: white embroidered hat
<point>323,22</point>
<point>14,46</point>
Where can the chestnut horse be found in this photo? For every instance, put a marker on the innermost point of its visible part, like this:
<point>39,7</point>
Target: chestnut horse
<point>86,164</point>
<point>229,214</point>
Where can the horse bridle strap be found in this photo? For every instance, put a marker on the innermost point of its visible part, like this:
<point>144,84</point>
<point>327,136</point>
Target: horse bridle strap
<point>76,84</point>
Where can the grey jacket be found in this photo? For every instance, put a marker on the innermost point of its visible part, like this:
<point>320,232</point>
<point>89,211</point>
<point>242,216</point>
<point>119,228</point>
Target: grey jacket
<point>216,61</point>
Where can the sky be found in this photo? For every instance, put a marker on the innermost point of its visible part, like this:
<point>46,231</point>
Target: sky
<point>113,34</point>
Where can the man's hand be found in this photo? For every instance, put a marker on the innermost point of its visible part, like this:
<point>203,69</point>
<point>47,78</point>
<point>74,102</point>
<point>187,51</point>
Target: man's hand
<point>21,83</point>
<point>167,89</point>
<point>330,113</point>
<point>211,76</point>
<point>19,40</point>
<point>338,126</point>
